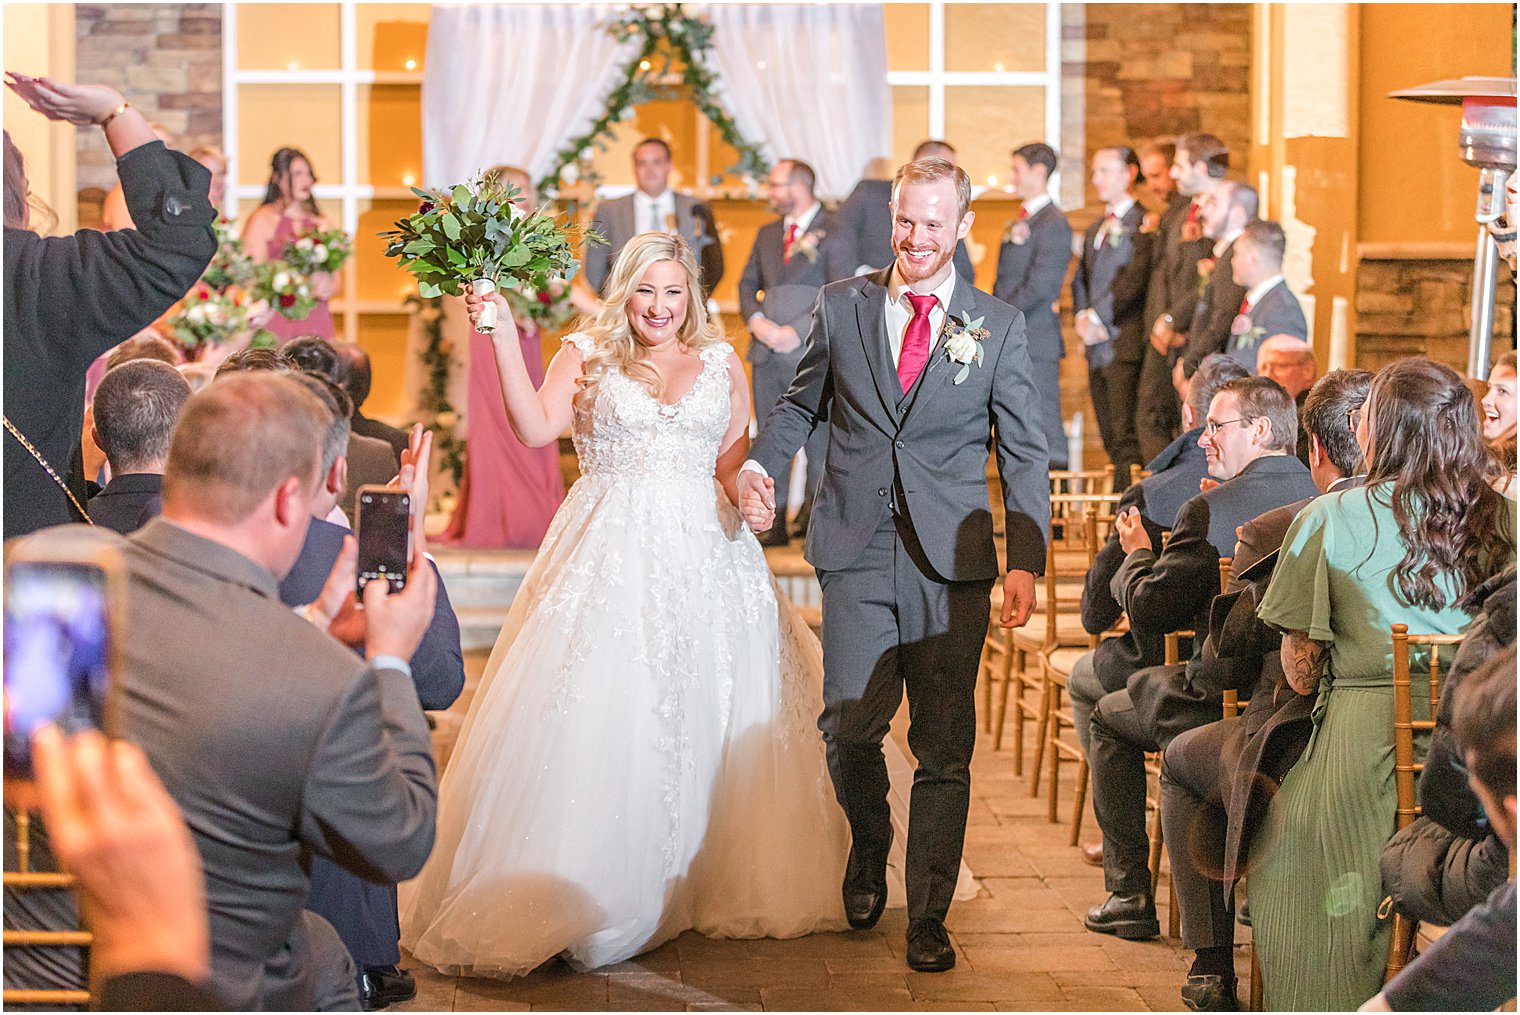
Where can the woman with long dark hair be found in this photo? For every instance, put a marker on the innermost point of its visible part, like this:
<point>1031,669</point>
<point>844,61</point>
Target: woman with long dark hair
<point>289,210</point>
<point>1406,548</point>
<point>70,298</point>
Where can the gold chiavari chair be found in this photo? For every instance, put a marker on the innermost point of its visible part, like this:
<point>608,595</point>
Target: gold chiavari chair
<point>1405,767</point>
<point>23,878</point>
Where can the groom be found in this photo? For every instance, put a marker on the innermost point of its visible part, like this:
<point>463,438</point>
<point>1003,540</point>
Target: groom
<point>916,373</point>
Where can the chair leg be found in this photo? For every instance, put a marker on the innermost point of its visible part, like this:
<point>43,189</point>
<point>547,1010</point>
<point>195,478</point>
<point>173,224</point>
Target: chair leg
<point>1155,859</point>
<point>1399,942</point>
<point>985,676</point>
<point>1055,776</point>
<point>1018,663</point>
<point>1042,728</point>
<point>1000,714</point>
<point>1080,803</point>
<point>1257,1002</point>
<point>1173,918</point>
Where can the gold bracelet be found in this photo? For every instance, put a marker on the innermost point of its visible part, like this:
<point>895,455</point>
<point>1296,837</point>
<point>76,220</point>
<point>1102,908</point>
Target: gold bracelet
<point>114,114</point>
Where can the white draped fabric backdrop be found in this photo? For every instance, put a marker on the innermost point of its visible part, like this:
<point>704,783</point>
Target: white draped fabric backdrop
<point>513,82</point>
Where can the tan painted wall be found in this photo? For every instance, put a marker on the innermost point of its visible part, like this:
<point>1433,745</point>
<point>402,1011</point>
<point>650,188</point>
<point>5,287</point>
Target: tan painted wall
<point>1414,188</point>
<point>39,40</point>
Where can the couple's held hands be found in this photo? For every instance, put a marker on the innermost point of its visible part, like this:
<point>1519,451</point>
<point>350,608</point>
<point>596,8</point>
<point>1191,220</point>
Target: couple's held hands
<point>1018,599</point>
<point>757,499</point>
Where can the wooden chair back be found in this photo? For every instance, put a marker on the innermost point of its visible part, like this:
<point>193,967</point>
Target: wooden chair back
<point>23,878</point>
<point>1405,767</point>
<point>1172,644</point>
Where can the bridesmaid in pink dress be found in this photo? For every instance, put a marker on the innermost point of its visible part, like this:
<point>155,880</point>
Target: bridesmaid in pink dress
<point>509,492</point>
<point>288,211</point>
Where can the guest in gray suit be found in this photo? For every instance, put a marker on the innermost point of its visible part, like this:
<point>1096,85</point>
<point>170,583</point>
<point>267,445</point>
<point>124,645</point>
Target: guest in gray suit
<point>272,755</point>
<point>1226,213</point>
<point>915,374</point>
<point>1031,268</point>
<point>793,257</point>
<point>1269,308</point>
<point>1108,297</point>
<point>654,208</point>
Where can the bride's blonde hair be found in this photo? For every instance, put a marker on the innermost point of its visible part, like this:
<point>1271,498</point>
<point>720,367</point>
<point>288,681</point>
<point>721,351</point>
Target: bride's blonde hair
<point>617,347</point>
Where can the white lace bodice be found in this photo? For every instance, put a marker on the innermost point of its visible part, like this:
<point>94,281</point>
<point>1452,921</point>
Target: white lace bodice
<point>626,433</point>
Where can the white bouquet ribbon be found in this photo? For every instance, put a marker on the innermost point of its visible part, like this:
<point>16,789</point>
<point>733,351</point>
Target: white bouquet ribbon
<point>487,322</point>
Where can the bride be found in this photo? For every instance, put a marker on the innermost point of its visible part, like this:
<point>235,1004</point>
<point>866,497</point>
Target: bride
<point>640,758</point>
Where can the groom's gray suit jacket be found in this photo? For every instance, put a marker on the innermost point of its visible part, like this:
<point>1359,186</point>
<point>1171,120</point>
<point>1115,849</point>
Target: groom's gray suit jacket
<point>926,451</point>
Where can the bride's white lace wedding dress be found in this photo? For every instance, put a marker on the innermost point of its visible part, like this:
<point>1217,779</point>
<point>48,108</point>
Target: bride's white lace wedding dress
<point>641,757</point>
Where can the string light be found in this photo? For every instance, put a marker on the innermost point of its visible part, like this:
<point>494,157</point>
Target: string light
<point>643,65</point>
<point>293,65</point>
<point>409,180</point>
<point>411,65</point>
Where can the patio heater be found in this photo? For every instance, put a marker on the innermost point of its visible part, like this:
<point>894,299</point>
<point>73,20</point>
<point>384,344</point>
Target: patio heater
<point>1486,141</point>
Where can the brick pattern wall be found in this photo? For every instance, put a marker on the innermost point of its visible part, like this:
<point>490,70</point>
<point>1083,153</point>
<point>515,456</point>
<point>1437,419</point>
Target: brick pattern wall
<point>1423,308</point>
<point>167,60</point>
<point>1147,70</point>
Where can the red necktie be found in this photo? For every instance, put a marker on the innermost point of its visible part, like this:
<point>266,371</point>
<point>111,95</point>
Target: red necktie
<point>915,346</point>
<point>1103,230</point>
<point>1192,215</point>
<point>1245,306</point>
<point>788,241</point>
<point>1023,212</point>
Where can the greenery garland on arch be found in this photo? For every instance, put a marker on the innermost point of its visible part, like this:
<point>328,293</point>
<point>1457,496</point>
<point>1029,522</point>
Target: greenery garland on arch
<point>683,35</point>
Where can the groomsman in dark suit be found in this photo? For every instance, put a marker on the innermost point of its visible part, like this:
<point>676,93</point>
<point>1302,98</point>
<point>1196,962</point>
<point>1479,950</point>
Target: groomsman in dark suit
<point>793,257</point>
<point>1031,268</point>
<point>937,149</point>
<point>1108,298</point>
<point>1269,308</point>
<point>1199,162</point>
<point>654,208</point>
<point>1157,414</point>
<point>867,214</point>
<point>1227,212</point>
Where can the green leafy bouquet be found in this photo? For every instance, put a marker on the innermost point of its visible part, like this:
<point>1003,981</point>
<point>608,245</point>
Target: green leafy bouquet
<point>474,233</point>
<point>286,289</point>
<point>319,250</point>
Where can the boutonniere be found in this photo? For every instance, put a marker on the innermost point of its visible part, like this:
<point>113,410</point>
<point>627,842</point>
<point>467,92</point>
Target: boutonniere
<point>1017,233</point>
<point>807,246</point>
<point>1205,272</point>
<point>1243,333</point>
<point>963,344</point>
<point>1112,232</point>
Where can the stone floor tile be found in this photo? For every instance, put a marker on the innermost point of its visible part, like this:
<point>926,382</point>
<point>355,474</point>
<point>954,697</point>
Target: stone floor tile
<point>965,984</point>
<point>828,999</point>
<point>1108,999</point>
<point>860,944</point>
<point>432,995</point>
<point>1021,959</point>
<point>747,972</point>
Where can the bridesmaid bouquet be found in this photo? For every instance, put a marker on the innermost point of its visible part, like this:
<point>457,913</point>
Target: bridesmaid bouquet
<point>474,233</point>
<point>319,250</point>
<point>231,265</point>
<point>285,289</point>
<point>208,316</point>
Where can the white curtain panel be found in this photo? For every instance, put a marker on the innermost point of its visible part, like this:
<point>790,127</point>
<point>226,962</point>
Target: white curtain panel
<point>807,81</point>
<point>512,83</point>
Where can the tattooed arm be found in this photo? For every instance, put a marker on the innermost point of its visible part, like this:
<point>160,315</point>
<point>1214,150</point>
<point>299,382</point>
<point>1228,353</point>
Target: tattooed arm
<point>1303,661</point>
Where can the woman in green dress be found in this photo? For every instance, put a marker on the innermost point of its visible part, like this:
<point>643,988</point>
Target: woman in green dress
<point>1405,548</point>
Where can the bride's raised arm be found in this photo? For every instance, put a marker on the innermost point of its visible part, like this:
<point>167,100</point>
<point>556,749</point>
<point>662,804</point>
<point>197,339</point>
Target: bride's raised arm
<point>538,417</point>
<point>736,437</point>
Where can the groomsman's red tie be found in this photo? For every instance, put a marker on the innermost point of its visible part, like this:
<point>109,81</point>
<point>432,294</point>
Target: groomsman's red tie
<point>1103,230</point>
<point>915,347</point>
<point>788,241</point>
<point>1245,306</point>
<point>1193,210</point>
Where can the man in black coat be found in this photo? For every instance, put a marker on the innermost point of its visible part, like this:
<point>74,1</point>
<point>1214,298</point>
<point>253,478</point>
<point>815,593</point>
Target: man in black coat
<point>69,299</point>
<point>1108,299</point>
<point>793,257</point>
<point>1226,214</point>
<point>1201,766</point>
<point>1031,268</point>
<point>1249,437</point>
<point>1199,164</point>
<point>134,411</point>
<point>1174,480</point>
<point>355,376</point>
<point>1268,310</point>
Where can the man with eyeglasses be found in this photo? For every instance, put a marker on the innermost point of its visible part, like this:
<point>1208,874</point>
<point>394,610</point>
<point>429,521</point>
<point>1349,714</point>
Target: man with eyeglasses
<point>1248,438</point>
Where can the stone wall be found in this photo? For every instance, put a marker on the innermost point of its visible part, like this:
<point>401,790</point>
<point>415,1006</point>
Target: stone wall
<point>1138,71</point>
<point>1422,308</point>
<point>167,59</point>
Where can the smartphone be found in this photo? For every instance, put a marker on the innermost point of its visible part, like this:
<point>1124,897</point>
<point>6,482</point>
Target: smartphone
<point>64,599</point>
<point>384,528</point>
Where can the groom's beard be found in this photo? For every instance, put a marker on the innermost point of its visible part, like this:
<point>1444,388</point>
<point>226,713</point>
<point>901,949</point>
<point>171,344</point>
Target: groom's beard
<point>911,272</point>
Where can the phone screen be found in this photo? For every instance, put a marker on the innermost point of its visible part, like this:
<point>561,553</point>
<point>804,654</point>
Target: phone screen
<point>57,654</point>
<point>385,524</point>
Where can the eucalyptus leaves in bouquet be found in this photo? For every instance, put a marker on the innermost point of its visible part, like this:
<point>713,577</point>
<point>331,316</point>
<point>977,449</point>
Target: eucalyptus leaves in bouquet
<point>475,233</point>
<point>231,265</point>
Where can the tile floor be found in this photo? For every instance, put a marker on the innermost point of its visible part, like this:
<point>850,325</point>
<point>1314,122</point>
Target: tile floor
<point>1021,944</point>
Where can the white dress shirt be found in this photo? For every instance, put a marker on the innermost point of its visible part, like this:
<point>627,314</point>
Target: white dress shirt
<point>1256,292</point>
<point>1032,207</point>
<point>1223,243</point>
<point>803,222</point>
<point>898,312</point>
<point>653,214</point>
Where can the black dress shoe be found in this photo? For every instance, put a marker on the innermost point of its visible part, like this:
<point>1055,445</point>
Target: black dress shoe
<point>1132,917</point>
<point>865,891</point>
<point>1210,993</point>
<point>775,535</point>
<point>929,949</point>
<point>382,986</point>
